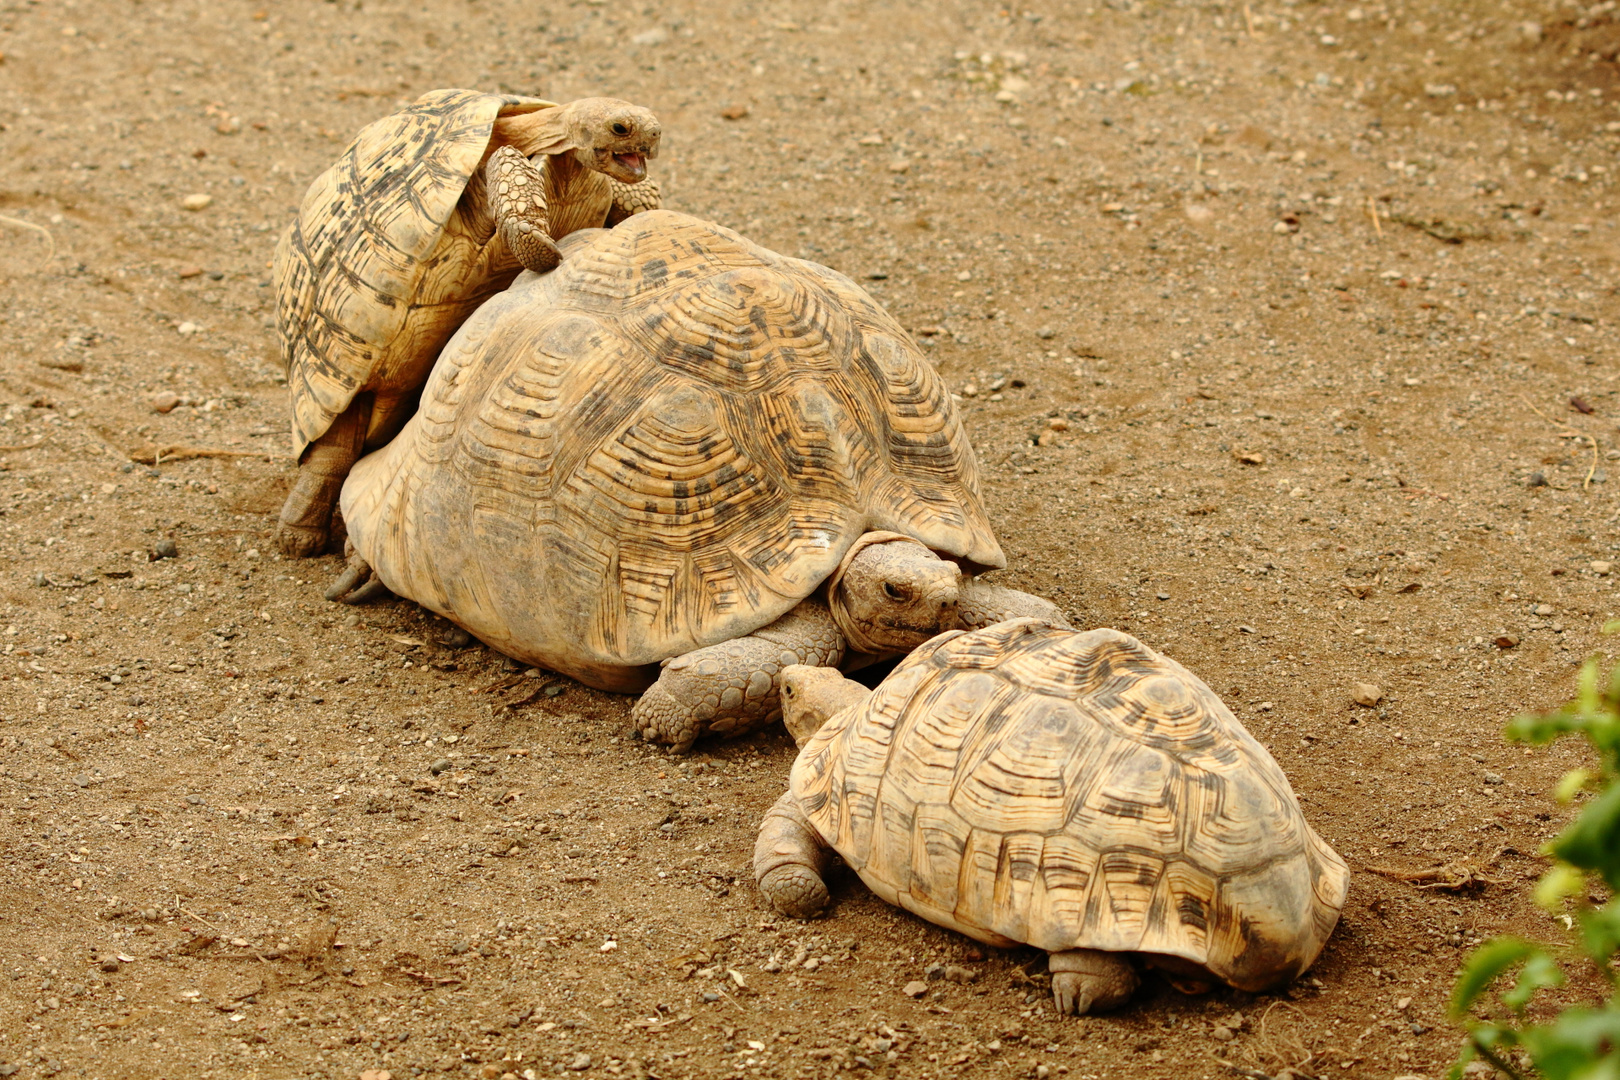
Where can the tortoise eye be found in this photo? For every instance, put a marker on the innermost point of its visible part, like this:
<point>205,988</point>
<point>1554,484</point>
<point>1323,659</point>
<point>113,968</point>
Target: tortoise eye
<point>621,129</point>
<point>896,592</point>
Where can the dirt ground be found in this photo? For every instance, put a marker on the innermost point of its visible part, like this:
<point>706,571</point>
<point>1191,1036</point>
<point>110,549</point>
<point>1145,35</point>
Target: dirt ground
<point>1284,335</point>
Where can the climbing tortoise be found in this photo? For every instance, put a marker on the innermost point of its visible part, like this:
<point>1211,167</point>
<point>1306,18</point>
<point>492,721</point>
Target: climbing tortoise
<point>428,213</point>
<point>1078,792</point>
<point>680,447</point>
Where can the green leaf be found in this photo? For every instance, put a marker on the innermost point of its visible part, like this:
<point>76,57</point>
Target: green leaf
<point>1570,785</point>
<point>1612,626</point>
<point>1484,965</point>
<point>1600,934</point>
<point>1540,971</point>
<point>1590,841</point>
<point>1557,885</point>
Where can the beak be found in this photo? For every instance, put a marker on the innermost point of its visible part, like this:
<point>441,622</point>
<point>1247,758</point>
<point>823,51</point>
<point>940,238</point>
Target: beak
<point>633,165</point>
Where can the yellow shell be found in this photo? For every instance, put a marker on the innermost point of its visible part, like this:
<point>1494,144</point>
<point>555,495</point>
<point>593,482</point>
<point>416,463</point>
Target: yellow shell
<point>665,443</point>
<point>1064,789</point>
<point>380,266</point>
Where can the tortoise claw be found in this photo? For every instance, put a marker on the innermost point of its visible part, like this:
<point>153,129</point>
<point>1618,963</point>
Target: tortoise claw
<point>355,584</point>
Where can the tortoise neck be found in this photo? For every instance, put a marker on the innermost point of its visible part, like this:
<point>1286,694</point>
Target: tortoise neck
<point>544,131</point>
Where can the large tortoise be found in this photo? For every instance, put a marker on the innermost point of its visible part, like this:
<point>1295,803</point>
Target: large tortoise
<point>682,447</point>
<point>428,213</point>
<point>1077,792</point>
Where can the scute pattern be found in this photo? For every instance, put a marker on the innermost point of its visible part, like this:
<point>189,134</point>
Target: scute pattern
<point>1023,783</point>
<point>376,268</point>
<point>666,443</point>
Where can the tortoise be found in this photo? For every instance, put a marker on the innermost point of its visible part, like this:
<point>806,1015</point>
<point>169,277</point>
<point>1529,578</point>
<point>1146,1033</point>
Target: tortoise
<point>1074,791</point>
<point>428,213</point>
<point>681,461</point>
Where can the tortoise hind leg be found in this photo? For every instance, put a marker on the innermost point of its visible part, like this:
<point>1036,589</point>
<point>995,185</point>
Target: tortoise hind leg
<point>790,861</point>
<point>1088,980</point>
<point>305,527</point>
<point>356,584</point>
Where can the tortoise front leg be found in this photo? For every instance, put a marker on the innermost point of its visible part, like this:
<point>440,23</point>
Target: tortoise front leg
<point>979,604</point>
<point>1086,980</point>
<point>790,861</point>
<point>305,527</point>
<point>735,686</point>
<point>517,200</point>
<point>629,199</point>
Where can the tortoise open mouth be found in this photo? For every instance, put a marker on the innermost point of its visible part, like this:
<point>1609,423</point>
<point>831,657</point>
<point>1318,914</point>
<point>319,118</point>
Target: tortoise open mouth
<point>635,164</point>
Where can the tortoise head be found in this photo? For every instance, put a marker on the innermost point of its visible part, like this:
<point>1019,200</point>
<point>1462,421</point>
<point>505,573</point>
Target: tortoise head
<point>613,137</point>
<point>811,695</point>
<point>893,595</point>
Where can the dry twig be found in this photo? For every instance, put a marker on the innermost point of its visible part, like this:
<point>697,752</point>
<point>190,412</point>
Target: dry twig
<point>42,230</point>
<point>1570,433</point>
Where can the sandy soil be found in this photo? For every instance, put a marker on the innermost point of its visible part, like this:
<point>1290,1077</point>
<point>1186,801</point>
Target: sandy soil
<point>1219,402</point>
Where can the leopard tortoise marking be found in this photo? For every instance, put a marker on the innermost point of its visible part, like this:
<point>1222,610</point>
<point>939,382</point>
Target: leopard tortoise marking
<point>428,213</point>
<point>681,448</point>
<point>1077,792</point>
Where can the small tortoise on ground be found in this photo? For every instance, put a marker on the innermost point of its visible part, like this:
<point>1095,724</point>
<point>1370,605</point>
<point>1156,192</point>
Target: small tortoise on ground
<point>682,447</point>
<point>1077,792</point>
<point>428,213</point>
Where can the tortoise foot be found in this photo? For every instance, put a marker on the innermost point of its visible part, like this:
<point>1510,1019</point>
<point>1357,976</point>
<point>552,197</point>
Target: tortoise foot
<point>795,891</point>
<point>662,718</point>
<point>1087,980</point>
<point>301,541</point>
<point>356,584</point>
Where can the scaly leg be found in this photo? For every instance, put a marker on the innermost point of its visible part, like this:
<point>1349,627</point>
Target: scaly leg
<point>979,604</point>
<point>306,517</point>
<point>517,200</point>
<point>631,199</point>
<point>790,861</point>
<point>1084,980</point>
<point>735,686</point>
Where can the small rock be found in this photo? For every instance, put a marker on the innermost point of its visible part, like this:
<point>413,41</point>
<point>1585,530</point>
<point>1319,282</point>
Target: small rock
<point>957,974</point>
<point>734,112</point>
<point>916,988</point>
<point>188,328</point>
<point>165,400</point>
<point>578,1063</point>
<point>165,549</point>
<point>970,390</point>
<point>82,780</point>
<point>1057,423</point>
<point>1601,566</point>
<point>710,996</point>
<point>1505,641</point>
<point>901,166</point>
<point>1221,1033</point>
<point>197,201</point>
<point>1495,778</point>
<point>1543,610</point>
<point>1366,694</point>
<point>1536,479</point>
<point>440,766</point>
<point>376,1074</point>
<point>456,638</point>
<point>1046,333</point>
<point>196,800</point>
<point>1162,596</point>
<point>934,972</point>
<point>458,948</point>
<point>189,272</point>
<point>110,965</point>
<point>656,36</point>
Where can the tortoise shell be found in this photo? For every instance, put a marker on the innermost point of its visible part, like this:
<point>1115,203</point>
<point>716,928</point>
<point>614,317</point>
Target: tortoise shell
<point>1023,783</point>
<point>666,443</point>
<point>382,263</point>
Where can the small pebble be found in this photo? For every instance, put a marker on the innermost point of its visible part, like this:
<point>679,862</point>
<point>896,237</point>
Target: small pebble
<point>1600,566</point>
<point>958,974</point>
<point>1544,610</point>
<point>197,201</point>
<point>456,638</point>
<point>916,988</point>
<point>1162,596</point>
<point>109,965</point>
<point>934,972</point>
<point>1536,479</point>
<point>1221,1034</point>
<point>440,766</point>
<point>1505,641</point>
<point>165,549</point>
<point>1057,423</point>
<point>165,400</point>
<point>1366,694</point>
<point>1046,333</point>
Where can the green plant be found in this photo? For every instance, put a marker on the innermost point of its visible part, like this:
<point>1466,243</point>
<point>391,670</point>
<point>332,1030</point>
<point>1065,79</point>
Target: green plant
<point>1579,1043</point>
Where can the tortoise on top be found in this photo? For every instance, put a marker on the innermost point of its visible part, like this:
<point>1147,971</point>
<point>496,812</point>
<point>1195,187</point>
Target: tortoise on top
<point>428,213</point>
<point>681,447</point>
<point>1077,792</point>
